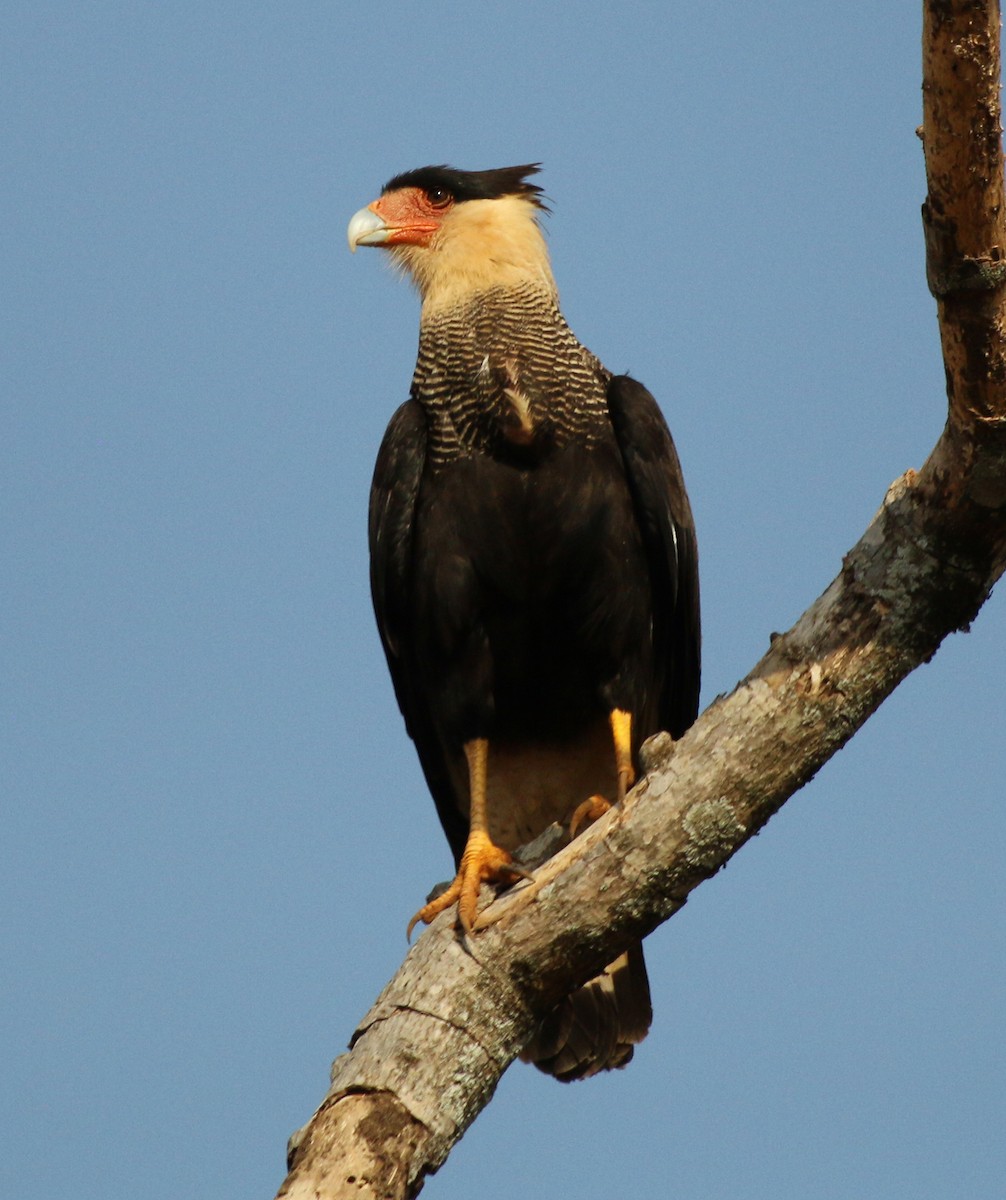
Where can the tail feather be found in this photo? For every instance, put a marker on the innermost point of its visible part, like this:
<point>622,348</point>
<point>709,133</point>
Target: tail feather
<point>597,1026</point>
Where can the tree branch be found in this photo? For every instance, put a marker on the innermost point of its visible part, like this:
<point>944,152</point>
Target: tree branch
<point>427,1057</point>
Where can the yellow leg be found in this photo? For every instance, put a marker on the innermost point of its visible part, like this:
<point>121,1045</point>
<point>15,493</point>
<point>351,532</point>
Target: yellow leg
<point>482,859</point>
<point>625,773</point>
<point>621,733</point>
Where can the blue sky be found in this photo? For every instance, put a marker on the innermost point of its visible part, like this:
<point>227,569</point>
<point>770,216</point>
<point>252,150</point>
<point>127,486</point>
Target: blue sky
<point>215,829</point>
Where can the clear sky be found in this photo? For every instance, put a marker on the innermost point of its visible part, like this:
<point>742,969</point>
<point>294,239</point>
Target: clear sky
<point>214,829</point>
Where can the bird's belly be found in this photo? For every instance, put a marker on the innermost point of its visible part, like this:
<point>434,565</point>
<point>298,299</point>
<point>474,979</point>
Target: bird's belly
<point>531,622</point>
<point>532,784</point>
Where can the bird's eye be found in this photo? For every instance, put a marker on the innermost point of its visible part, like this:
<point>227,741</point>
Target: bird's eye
<point>438,197</point>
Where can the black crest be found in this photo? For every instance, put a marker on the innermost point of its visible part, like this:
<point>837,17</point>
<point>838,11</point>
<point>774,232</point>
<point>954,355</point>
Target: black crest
<point>473,185</point>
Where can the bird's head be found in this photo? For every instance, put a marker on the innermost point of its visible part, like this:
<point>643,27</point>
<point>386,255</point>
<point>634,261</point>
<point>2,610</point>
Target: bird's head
<point>456,232</point>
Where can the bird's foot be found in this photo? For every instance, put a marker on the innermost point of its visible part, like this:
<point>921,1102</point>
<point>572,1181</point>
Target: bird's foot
<point>586,813</point>
<point>482,862</point>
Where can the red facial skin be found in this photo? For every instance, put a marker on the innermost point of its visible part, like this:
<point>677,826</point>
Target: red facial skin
<point>412,215</point>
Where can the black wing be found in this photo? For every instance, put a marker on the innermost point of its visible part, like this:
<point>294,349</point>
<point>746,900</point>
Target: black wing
<point>393,496</point>
<point>665,520</point>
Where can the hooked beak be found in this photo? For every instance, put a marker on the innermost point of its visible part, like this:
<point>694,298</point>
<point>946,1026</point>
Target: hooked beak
<point>366,228</point>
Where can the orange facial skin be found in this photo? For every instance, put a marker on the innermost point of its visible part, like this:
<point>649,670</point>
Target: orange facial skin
<point>412,215</point>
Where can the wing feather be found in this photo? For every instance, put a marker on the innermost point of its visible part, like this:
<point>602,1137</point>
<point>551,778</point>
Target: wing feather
<point>393,496</point>
<point>668,530</point>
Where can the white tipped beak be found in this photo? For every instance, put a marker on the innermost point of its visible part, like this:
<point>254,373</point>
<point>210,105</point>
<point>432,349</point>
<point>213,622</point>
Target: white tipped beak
<point>366,229</point>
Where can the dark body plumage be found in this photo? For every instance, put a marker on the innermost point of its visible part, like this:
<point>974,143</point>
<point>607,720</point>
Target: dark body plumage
<point>534,568</point>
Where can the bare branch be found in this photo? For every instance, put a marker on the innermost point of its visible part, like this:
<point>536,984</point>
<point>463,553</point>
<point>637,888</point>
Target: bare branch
<point>427,1057</point>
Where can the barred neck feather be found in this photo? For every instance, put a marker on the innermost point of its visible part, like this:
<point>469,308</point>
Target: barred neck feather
<point>499,371</point>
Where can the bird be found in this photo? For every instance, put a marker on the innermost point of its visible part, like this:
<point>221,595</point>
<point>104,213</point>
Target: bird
<point>533,563</point>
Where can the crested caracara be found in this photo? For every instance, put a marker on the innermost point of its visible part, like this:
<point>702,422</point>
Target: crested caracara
<point>533,562</point>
